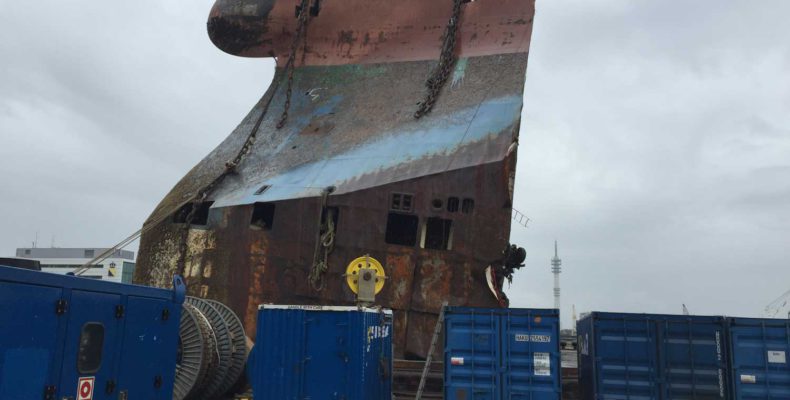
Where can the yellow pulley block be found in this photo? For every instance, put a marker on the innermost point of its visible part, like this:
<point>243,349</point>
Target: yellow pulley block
<point>354,268</point>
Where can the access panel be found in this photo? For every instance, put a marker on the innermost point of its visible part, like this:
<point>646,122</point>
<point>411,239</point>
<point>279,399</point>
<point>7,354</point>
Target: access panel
<point>29,340</point>
<point>91,344</point>
<point>149,345</point>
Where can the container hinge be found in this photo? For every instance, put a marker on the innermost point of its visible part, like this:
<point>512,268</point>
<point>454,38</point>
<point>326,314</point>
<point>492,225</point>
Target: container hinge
<point>49,392</point>
<point>119,311</point>
<point>60,307</point>
<point>165,314</point>
<point>158,381</point>
<point>110,387</point>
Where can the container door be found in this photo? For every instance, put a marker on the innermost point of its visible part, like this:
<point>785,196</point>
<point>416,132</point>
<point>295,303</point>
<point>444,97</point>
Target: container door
<point>530,356</point>
<point>626,358</point>
<point>29,340</point>
<point>91,346</point>
<point>329,360</point>
<point>760,355</point>
<point>472,356</point>
<point>280,354</point>
<point>376,352</point>
<point>150,344</point>
<point>693,359</point>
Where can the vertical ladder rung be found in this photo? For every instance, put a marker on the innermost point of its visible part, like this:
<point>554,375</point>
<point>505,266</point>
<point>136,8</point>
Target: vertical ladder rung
<point>436,330</point>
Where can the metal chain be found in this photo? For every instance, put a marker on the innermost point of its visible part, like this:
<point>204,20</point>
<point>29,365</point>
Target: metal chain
<point>301,29</point>
<point>447,60</point>
<point>230,167</point>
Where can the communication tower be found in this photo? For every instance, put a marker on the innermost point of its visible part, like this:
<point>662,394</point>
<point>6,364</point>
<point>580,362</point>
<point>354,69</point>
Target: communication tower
<point>556,269</point>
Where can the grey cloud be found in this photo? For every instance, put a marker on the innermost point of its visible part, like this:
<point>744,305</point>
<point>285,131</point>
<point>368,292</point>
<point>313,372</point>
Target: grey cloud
<point>654,147</point>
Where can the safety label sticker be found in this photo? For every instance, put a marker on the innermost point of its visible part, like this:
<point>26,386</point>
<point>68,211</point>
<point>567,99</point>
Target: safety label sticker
<point>85,388</point>
<point>542,364</point>
<point>748,379</point>
<point>456,361</point>
<point>777,357</point>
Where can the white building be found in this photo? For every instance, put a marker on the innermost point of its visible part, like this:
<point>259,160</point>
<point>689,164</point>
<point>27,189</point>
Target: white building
<point>119,267</point>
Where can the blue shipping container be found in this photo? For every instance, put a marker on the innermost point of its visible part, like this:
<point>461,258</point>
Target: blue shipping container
<point>60,335</point>
<point>759,352</point>
<point>320,352</point>
<point>644,356</point>
<point>498,354</point>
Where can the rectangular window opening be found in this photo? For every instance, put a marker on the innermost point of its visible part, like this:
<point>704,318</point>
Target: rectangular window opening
<point>452,204</point>
<point>401,229</point>
<point>262,190</point>
<point>437,234</point>
<point>468,206</point>
<point>200,217</point>
<point>262,216</point>
<point>89,254</point>
<point>402,202</point>
<point>90,347</point>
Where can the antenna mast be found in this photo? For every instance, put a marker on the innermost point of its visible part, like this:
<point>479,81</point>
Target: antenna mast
<point>556,270</point>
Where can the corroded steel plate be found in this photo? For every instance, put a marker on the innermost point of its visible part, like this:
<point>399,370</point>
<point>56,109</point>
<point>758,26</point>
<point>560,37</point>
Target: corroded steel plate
<point>370,31</point>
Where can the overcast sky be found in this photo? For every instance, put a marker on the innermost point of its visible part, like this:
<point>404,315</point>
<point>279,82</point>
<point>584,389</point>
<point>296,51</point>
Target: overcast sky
<point>655,144</point>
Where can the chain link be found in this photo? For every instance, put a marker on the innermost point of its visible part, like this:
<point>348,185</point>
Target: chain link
<point>230,167</point>
<point>301,29</point>
<point>447,59</point>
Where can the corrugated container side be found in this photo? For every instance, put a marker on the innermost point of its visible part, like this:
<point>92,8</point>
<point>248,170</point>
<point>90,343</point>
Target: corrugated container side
<point>649,356</point>
<point>586,358</point>
<point>531,354</point>
<point>759,356</point>
<point>618,357</point>
<point>501,354</point>
<point>471,354</point>
<point>322,352</point>
<point>694,359</point>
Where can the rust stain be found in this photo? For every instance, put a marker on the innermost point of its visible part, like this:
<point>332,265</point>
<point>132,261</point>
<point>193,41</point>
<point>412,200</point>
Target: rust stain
<point>412,29</point>
<point>352,127</point>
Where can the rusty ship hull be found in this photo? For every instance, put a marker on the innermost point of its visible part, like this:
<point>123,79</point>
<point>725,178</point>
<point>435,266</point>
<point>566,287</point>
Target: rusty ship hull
<point>430,198</point>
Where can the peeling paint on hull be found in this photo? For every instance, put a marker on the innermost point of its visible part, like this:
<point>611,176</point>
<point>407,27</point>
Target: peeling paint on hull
<point>352,127</point>
<point>370,31</point>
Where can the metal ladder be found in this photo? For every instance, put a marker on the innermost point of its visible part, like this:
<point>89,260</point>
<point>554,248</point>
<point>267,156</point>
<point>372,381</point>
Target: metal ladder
<point>429,359</point>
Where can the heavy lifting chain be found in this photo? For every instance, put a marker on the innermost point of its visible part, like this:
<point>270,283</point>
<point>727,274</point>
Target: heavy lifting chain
<point>447,60</point>
<point>301,30</point>
<point>230,167</point>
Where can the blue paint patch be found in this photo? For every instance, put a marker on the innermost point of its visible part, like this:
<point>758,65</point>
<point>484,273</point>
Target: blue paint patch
<point>325,106</point>
<point>428,138</point>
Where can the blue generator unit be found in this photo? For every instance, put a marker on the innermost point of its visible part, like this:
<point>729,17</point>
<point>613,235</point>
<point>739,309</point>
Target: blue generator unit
<point>66,337</point>
<point>501,354</point>
<point>322,353</point>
